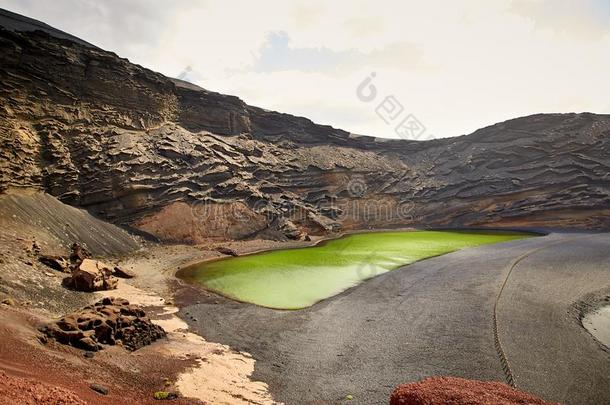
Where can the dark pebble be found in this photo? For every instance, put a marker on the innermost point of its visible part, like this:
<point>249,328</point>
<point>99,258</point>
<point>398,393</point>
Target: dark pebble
<point>99,388</point>
<point>89,354</point>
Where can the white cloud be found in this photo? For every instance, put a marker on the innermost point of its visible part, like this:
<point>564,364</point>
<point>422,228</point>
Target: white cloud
<point>457,65</point>
<point>277,54</point>
<point>589,18</point>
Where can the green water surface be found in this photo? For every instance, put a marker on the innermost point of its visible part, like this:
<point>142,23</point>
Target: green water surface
<point>298,278</point>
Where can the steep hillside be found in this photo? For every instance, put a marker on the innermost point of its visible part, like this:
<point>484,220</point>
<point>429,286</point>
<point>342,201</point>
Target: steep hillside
<point>48,221</point>
<point>34,223</point>
<point>186,164</point>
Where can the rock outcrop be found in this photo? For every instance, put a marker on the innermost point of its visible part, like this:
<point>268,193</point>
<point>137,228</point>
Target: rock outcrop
<point>459,391</point>
<point>108,322</point>
<point>92,275</point>
<point>187,164</point>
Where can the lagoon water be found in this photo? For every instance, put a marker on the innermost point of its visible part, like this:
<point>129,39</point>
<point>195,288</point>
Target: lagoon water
<point>298,278</point>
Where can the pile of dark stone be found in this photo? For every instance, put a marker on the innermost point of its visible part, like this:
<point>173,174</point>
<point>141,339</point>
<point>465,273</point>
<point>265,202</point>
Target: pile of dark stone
<point>111,321</point>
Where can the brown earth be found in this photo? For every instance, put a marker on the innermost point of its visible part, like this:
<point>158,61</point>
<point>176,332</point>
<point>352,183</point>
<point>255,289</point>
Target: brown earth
<point>169,160</point>
<point>459,391</point>
<point>129,379</point>
<point>27,391</point>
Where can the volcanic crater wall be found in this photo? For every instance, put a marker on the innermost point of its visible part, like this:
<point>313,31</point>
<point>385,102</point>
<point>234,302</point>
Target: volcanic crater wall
<point>140,149</point>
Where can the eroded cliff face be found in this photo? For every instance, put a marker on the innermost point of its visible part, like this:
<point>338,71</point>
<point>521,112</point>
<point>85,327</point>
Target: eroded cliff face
<point>187,164</point>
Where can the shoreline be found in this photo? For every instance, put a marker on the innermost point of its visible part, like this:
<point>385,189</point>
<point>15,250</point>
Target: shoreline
<point>220,374</point>
<point>205,368</point>
<point>183,274</point>
<point>333,337</point>
<point>334,236</point>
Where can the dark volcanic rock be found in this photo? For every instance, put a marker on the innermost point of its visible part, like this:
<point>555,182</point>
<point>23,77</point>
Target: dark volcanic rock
<point>58,263</point>
<point>78,254</point>
<point>99,388</point>
<point>226,251</point>
<point>107,322</point>
<point>187,164</point>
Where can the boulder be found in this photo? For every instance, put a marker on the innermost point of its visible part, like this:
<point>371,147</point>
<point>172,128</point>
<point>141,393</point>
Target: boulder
<point>226,251</point>
<point>99,389</point>
<point>459,391</point>
<point>58,263</point>
<point>78,254</point>
<point>88,344</point>
<point>92,275</point>
<point>108,322</point>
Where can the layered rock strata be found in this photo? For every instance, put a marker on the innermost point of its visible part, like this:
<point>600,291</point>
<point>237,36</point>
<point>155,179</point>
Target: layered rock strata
<point>187,164</point>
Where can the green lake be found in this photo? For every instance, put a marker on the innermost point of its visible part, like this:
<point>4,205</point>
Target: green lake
<point>298,278</point>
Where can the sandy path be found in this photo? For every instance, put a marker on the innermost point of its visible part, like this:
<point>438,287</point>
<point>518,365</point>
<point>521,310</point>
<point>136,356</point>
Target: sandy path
<point>221,376</point>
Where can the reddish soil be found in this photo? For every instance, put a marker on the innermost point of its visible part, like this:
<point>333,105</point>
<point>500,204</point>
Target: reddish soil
<point>55,372</point>
<point>26,391</point>
<point>459,391</point>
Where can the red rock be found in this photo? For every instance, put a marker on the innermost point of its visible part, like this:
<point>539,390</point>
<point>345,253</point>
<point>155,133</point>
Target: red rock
<point>460,391</point>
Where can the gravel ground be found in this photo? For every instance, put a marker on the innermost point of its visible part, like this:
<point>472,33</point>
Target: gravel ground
<point>550,352</point>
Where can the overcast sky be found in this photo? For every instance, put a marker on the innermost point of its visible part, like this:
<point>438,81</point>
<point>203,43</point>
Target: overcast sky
<point>453,65</point>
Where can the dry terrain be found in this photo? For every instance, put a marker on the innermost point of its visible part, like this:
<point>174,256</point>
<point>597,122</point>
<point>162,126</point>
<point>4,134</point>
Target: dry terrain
<point>150,174</point>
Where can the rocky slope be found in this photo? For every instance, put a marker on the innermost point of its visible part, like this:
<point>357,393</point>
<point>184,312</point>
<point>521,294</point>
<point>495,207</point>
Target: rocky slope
<point>186,164</point>
<point>34,224</point>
